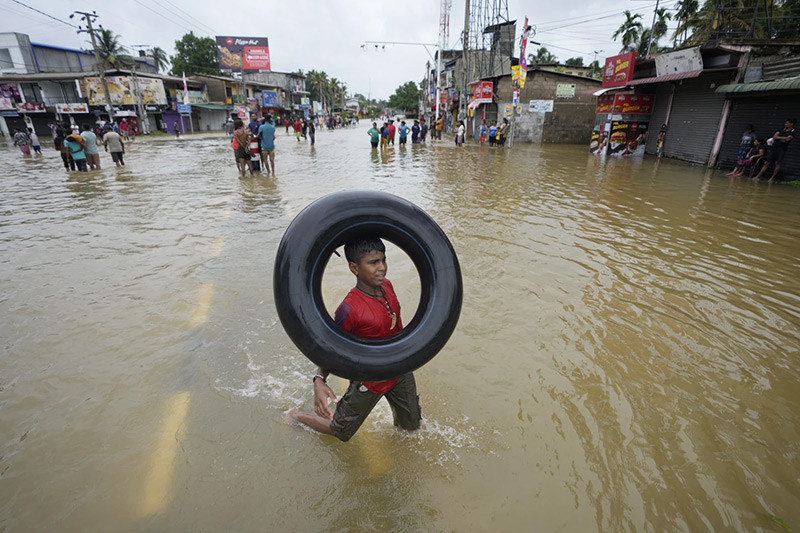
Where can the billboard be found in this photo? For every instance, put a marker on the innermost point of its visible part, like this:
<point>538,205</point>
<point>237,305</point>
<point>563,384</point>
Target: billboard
<point>482,92</point>
<point>618,70</point>
<point>31,107</point>
<point>248,54</point>
<point>122,90</point>
<point>9,90</point>
<point>627,138</point>
<point>688,60</point>
<point>72,108</point>
<point>269,98</point>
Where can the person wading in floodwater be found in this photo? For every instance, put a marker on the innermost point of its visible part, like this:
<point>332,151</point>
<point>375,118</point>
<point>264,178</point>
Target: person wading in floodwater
<point>370,310</point>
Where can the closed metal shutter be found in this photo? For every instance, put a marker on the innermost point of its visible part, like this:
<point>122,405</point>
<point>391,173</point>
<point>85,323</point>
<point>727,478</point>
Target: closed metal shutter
<point>695,117</point>
<point>658,116</point>
<point>767,113</point>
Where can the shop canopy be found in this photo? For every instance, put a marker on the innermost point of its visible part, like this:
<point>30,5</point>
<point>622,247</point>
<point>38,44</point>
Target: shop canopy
<point>759,86</point>
<point>216,107</point>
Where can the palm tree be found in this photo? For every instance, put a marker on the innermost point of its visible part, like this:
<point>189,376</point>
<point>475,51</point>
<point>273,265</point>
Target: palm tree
<point>111,53</point>
<point>159,58</point>
<point>630,31</point>
<point>543,56</point>
<point>317,81</point>
<point>686,11</point>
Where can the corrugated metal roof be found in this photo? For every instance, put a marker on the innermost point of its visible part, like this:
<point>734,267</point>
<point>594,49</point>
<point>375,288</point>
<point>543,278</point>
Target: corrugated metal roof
<point>668,77</point>
<point>792,84</point>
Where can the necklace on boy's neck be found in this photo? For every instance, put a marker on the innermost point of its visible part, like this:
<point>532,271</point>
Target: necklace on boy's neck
<point>382,298</point>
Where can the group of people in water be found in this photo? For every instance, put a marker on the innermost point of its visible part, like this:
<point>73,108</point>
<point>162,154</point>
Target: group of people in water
<point>385,135</point>
<point>757,155</point>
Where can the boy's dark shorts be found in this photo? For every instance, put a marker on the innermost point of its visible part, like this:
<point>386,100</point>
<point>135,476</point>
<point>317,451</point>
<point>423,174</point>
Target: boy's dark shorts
<point>352,408</point>
<point>776,154</point>
<point>116,157</point>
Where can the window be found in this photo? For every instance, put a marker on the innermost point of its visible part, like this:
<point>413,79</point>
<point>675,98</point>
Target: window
<point>5,59</point>
<point>70,92</point>
<point>31,92</point>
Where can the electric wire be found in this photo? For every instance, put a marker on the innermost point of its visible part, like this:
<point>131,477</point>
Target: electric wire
<point>43,13</point>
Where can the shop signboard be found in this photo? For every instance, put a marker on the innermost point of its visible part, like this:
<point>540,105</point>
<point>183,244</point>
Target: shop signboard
<point>269,98</point>
<point>688,60</point>
<point>31,107</point>
<point>482,92</point>
<point>6,103</point>
<point>565,90</point>
<point>627,138</point>
<point>9,113</point>
<point>248,54</point>
<point>641,104</point>
<point>605,103</point>
<point>618,70</point>
<point>72,108</point>
<point>540,106</point>
<point>185,109</point>
<point>195,97</point>
<point>241,112</point>
<point>119,89</point>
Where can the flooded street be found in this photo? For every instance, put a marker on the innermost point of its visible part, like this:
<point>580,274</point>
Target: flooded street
<point>627,358</point>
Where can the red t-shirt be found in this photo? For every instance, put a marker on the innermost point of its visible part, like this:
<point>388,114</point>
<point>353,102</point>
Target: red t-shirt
<point>367,317</point>
<point>392,130</point>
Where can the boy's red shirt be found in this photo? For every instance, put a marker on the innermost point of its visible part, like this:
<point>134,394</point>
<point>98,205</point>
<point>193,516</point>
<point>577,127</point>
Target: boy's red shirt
<point>367,317</point>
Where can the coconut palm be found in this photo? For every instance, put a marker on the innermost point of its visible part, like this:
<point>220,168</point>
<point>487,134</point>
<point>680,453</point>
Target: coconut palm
<point>630,31</point>
<point>685,12</point>
<point>110,52</point>
<point>159,58</point>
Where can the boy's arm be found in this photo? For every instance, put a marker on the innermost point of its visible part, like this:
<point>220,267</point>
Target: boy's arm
<point>323,393</point>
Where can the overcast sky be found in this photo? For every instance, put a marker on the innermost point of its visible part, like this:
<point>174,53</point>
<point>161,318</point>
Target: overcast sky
<point>328,34</point>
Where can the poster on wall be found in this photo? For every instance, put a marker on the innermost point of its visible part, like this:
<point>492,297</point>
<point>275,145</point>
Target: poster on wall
<point>540,106</point>
<point>248,54</point>
<point>565,90</point>
<point>627,138</point>
<point>9,90</point>
<point>6,103</point>
<point>599,140</point>
<point>31,107</point>
<point>269,98</point>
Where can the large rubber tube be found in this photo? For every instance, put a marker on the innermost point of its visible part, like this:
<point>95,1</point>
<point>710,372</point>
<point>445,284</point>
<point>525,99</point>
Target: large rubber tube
<point>303,253</point>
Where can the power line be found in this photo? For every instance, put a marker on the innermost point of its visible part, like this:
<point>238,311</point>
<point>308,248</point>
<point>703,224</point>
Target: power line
<point>162,16</point>
<point>213,31</point>
<point>43,13</point>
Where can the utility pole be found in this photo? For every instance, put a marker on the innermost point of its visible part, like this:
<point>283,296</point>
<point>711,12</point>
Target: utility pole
<point>462,102</point>
<point>444,33</point>
<point>89,18</point>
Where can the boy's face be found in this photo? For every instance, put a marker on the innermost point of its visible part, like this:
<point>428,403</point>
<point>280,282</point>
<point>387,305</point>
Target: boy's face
<point>370,271</point>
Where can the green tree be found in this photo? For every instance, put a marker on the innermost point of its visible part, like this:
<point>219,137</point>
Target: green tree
<point>630,31</point>
<point>595,69</point>
<point>405,97</point>
<point>110,52</point>
<point>787,25</point>
<point>542,57</point>
<point>194,54</point>
<point>160,59</point>
<point>685,12</point>
<point>574,62</point>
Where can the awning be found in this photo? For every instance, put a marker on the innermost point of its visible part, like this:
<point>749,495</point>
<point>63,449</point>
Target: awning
<point>777,85</point>
<point>604,90</point>
<point>668,77</point>
<point>216,107</point>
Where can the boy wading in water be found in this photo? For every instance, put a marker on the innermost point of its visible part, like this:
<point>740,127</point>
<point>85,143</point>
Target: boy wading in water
<point>369,310</point>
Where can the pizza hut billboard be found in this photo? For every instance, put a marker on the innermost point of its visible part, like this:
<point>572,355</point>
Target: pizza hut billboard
<point>618,70</point>
<point>250,54</point>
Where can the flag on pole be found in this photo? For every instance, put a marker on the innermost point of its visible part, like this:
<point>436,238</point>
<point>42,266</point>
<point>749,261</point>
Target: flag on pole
<point>185,90</point>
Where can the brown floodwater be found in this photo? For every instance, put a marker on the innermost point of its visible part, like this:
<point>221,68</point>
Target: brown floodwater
<point>627,358</point>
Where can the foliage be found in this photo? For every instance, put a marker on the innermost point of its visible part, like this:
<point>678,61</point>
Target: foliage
<point>787,23</point>
<point>542,56</point>
<point>596,69</point>
<point>160,59</point>
<point>574,62</point>
<point>686,11</point>
<point>743,19</point>
<point>405,97</point>
<point>110,52</point>
<point>630,31</point>
<point>329,91</point>
<point>196,55</point>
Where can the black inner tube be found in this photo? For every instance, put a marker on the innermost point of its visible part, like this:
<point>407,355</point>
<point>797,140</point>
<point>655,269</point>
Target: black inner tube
<point>304,252</point>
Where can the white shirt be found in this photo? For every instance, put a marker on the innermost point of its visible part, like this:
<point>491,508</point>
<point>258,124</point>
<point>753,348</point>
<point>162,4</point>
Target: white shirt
<point>461,130</point>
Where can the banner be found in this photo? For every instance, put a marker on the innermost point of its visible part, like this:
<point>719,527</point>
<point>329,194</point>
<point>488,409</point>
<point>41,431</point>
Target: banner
<point>482,92</point>
<point>6,103</point>
<point>31,107</point>
<point>605,103</point>
<point>618,70</point>
<point>121,93</point>
<point>599,140</point>
<point>523,64</point>
<point>269,98</point>
<point>627,139</point>
<point>634,103</point>
<point>9,90</point>
<point>540,106</point>
<point>248,54</point>
<point>72,108</point>
<point>195,97</point>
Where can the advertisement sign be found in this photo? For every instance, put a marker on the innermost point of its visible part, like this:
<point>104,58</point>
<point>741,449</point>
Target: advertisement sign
<point>241,112</point>
<point>72,108</point>
<point>248,54</point>
<point>540,106</point>
<point>618,70</point>
<point>565,90</point>
<point>634,103</point>
<point>31,107</point>
<point>9,90</point>
<point>599,140</point>
<point>119,89</point>
<point>679,62</point>
<point>523,64</point>
<point>185,109</point>
<point>482,92</point>
<point>195,97</point>
<point>6,103</point>
<point>605,103</point>
<point>269,98</point>
<point>627,139</point>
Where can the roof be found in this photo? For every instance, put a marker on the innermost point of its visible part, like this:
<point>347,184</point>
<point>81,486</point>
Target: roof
<point>792,84</point>
<point>668,77</point>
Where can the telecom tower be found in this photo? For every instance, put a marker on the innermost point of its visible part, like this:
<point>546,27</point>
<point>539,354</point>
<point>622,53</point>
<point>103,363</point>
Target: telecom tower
<point>490,43</point>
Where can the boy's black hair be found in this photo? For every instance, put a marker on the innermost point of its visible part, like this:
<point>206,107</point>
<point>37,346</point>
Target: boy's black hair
<point>361,246</point>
